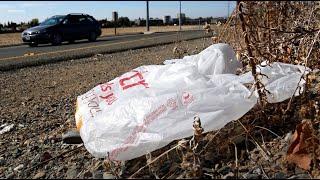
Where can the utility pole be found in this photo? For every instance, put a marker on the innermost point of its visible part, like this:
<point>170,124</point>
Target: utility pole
<point>115,28</point>
<point>115,19</point>
<point>147,20</point>
<point>180,16</point>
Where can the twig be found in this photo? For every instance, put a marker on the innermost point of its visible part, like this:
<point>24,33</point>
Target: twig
<point>209,141</point>
<point>264,173</point>
<point>154,160</point>
<point>236,156</point>
<point>266,152</point>
<point>228,22</point>
<point>250,54</point>
<point>268,130</point>
<point>303,31</point>
<point>44,162</point>
<point>305,68</point>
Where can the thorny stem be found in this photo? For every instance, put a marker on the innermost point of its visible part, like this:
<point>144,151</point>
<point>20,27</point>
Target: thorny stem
<point>268,130</point>
<point>154,160</point>
<point>251,59</point>
<point>227,23</point>
<point>266,152</point>
<point>236,157</point>
<point>305,68</point>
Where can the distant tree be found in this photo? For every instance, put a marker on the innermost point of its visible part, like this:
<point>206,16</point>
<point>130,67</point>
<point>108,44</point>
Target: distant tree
<point>34,22</point>
<point>1,27</point>
<point>123,22</point>
<point>103,23</point>
<point>13,26</point>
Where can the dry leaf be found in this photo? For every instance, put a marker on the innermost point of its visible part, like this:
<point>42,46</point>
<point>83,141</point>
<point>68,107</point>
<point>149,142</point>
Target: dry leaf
<point>303,142</point>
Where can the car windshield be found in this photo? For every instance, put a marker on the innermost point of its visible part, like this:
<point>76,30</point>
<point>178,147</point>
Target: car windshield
<point>52,21</point>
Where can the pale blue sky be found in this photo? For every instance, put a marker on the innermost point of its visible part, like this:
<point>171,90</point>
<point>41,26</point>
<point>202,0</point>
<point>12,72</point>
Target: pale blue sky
<point>18,11</point>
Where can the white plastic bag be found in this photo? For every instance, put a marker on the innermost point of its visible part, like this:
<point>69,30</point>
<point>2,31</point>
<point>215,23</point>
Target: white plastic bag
<point>150,106</point>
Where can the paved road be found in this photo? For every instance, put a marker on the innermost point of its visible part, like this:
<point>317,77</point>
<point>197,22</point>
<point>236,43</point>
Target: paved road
<point>22,56</point>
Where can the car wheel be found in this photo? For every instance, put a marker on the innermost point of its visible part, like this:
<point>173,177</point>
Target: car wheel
<point>92,36</point>
<point>33,44</point>
<point>56,39</point>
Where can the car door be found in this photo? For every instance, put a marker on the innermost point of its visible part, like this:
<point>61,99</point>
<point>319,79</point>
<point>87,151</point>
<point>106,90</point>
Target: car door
<point>70,28</point>
<point>84,27</point>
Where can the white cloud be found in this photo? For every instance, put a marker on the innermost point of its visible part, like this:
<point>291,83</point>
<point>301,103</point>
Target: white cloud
<point>16,11</point>
<point>38,4</point>
<point>31,4</point>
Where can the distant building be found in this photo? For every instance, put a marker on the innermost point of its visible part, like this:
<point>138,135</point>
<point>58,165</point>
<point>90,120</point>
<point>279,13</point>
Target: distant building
<point>152,22</point>
<point>139,22</point>
<point>166,20</point>
<point>218,20</point>
<point>183,17</point>
<point>114,16</point>
<point>175,20</point>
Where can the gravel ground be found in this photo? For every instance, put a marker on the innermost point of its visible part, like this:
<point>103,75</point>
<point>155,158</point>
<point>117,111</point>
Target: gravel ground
<point>40,103</point>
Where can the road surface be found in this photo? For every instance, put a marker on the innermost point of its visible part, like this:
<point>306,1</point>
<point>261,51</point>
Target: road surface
<point>23,56</point>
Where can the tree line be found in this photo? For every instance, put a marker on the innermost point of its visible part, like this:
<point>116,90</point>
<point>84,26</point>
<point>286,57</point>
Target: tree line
<point>18,27</point>
<point>121,22</point>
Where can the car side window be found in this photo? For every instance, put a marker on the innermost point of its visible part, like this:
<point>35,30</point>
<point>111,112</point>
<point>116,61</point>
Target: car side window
<point>90,19</point>
<point>74,20</point>
<point>66,21</point>
<point>71,20</point>
<point>82,20</point>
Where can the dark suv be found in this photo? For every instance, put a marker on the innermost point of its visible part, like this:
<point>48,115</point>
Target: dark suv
<point>61,28</point>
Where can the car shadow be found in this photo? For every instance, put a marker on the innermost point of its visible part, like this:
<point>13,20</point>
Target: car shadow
<point>76,42</point>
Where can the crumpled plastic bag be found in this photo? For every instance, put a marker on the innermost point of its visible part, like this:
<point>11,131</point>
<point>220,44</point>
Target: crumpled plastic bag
<point>150,106</point>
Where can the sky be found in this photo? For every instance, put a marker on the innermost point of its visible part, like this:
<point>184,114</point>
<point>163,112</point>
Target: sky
<point>23,11</point>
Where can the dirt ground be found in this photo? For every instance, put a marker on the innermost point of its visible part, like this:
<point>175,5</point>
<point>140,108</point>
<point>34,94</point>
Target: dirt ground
<point>40,102</point>
<point>15,38</point>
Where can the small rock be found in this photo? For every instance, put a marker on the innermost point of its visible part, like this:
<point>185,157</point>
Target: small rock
<point>2,161</point>
<point>16,153</point>
<point>108,176</point>
<point>60,168</point>
<point>257,171</point>
<point>224,170</point>
<point>35,160</point>
<point>18,168</point>
<point>98,174</point>
<point>72,137</point>
<point>72,172</point>
<point>10,176</point>
<point>27,142</point>
<point>87,175</point>
<point>288,137</point>
<point>300,176</point>
<point>45,156</point>
<point>6,128</point>
<point>280,175</point>
<point>39,175</point>
<point>250,176</point>
<point>49,165</point>
<point>228,176</point>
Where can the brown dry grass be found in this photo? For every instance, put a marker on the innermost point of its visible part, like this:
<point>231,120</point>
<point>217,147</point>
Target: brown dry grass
<point>15,38</point>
